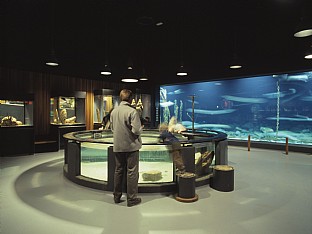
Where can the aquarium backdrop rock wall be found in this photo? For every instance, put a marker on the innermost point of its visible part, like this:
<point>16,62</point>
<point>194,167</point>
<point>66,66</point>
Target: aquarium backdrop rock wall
<point>268,108</point>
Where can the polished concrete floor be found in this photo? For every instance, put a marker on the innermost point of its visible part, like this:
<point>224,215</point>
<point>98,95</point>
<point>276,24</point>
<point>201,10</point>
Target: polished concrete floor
<point>273,194</point>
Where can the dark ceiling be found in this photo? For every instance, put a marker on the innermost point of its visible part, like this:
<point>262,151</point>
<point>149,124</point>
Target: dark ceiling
<point>203,34</point>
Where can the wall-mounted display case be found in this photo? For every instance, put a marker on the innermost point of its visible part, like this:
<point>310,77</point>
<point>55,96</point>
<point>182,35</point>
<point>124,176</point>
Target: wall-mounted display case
<point>104,101</point>
<point>67,110</point>
<point>16,113</point>
<point>67,114</point>
<point>16,125</point>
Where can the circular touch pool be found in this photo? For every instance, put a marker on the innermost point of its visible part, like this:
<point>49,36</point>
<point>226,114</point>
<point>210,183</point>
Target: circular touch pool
<point>89,158</point>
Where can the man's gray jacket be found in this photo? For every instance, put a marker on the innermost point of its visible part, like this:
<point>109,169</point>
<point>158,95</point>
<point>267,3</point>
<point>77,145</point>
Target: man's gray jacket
<point>126,128</point>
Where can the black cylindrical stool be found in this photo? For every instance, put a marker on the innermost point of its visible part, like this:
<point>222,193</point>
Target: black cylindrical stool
<point>186,187</point>
<point>223,178</point>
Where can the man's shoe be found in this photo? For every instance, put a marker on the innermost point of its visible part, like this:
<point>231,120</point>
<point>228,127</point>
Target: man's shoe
<point>117,199</point>
<point>134,202</point>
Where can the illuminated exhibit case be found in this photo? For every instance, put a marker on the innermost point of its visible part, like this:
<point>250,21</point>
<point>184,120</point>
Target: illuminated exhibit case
<point>67,114</point>
<point>16,125</point>
<point>269,108</point>
<point>104,101</point>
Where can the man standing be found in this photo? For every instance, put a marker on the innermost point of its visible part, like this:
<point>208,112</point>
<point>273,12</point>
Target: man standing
<point>126,127</point>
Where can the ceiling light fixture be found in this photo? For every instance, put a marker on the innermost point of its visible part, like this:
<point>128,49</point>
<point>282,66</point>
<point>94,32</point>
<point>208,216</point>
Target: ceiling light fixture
<point>130,76</point>
<point>235,63</point>
<point>52,59</point>
<point>106,70</point>
<point>129,80</point>
<point>143,76</point>
<point>308,54</point>
<point>304,28</point>
<point>181,70</point>
<point>159,23</point>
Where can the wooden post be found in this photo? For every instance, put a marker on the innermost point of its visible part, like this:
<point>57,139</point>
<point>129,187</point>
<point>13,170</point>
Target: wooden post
<point>248,142</point>
<point>286,145</point>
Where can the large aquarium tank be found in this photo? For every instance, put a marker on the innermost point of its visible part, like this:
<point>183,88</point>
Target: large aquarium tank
<point>269,108</point>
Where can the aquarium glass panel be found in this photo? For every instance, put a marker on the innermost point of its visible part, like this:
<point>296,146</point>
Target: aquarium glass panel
<point>268,108</point>
<point>94,160</point>
<point>156,165</point>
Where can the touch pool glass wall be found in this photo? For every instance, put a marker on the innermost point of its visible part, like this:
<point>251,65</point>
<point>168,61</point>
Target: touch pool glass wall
<point>94,160</point>
<point>268,108</point>
<point>155,165</point>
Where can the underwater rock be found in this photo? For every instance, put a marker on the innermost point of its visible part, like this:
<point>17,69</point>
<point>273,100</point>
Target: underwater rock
<point>152,175</point>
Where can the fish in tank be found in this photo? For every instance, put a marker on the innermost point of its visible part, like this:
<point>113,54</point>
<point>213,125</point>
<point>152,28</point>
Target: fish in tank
<point>269,108</point>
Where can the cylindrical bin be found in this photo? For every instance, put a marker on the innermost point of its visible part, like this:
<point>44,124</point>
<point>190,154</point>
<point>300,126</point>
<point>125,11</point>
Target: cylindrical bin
<point>223,178</point>
<point>186,187</point>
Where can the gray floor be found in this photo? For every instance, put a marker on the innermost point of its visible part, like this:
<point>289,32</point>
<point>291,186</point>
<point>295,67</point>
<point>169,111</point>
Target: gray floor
<point>273,194</point>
